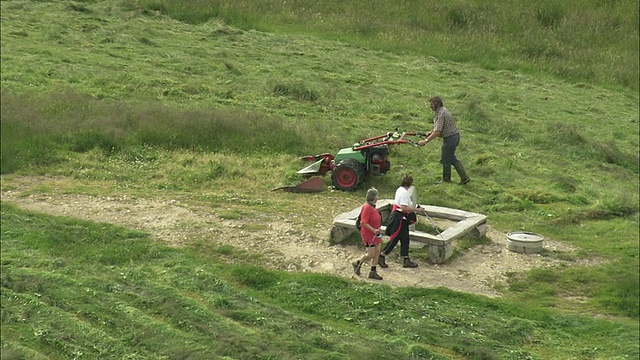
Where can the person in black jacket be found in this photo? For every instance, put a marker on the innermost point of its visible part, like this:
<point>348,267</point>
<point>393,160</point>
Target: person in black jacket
<point>403,214</point>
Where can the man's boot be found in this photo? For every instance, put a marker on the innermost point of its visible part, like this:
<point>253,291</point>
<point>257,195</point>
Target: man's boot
<point>464,178</point>
<point>446,175</point>
<point>409,264</point>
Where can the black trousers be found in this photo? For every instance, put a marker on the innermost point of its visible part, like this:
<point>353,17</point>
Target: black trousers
<point>399,232</point>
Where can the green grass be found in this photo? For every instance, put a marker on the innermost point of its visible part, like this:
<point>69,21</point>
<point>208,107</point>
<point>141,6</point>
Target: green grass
<point>215,104</point>
<point>89,290</point>
<point>577,40</point>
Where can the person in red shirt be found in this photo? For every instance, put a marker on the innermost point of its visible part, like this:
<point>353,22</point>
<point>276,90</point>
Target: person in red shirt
<point>370,222</point>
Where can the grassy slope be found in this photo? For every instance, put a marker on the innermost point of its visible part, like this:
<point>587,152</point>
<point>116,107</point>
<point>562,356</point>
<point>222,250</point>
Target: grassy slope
<point>507,119</point>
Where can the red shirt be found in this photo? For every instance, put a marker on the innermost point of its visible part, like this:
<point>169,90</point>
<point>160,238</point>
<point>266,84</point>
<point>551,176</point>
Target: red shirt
<point>369,215</point>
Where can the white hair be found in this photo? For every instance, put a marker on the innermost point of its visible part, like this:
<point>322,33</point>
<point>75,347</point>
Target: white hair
<point>372,194</point>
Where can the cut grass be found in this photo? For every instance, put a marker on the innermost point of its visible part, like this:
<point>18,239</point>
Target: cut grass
<point>156,301</point>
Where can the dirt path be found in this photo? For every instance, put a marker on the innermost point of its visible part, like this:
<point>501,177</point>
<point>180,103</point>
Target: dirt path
<point>478,270</point>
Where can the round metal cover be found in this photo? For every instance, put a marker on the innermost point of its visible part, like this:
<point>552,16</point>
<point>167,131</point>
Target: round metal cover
<point>524,242</point>
<point>524,236</point>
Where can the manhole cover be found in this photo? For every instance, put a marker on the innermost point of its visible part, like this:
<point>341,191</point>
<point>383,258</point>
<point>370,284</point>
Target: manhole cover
<point>524,242</point>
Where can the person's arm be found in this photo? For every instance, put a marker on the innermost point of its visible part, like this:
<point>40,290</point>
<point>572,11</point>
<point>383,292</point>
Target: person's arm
<point>370,228</point>
<point>436,131</point>
<point>407,208</point>
<point>430,136</point>
<point>405,199</point>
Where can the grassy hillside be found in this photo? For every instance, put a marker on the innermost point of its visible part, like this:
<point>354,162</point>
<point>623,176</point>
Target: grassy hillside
<point>216,105</point>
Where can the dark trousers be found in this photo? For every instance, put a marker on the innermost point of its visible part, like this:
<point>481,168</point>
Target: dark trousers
<point>400,234</point>
<point>448,150</point>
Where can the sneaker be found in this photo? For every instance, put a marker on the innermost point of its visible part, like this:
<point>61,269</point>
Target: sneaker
<point>442,181</point>
<point>356,267</point>
<point>409,264</point>
<point>381,262</point>
<point>374,275</point>
<point>465,181</point>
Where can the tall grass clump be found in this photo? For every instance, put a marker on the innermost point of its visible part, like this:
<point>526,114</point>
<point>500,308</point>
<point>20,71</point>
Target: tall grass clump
<point>201,11</point>
<point>612,154</point>
<point>26,139</point>
<point>213,130</point>
<point>549,13</point>
<point>615,207</point>
<point>296,91</point>
<point>23,146</point>
<point>620,293</point>
<point>36,128</point>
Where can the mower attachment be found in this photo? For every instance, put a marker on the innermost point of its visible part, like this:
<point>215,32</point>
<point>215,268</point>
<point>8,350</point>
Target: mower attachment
<point>323,163</point>
<point>308,186</point>
<point>312,169</point>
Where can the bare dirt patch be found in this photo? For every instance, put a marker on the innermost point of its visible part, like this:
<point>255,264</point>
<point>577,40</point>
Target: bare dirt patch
<point>480,270</point>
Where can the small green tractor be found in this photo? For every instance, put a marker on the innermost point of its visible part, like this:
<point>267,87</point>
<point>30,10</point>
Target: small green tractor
<point>350,166</point>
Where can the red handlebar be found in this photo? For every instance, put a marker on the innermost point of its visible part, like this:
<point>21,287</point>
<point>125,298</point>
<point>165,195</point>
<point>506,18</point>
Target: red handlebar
<point>389,138</point>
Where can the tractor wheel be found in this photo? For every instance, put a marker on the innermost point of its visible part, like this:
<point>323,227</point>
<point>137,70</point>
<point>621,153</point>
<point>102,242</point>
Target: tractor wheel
<point>347,175</point>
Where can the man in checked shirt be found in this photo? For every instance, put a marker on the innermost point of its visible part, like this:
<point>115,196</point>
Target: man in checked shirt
<point>444,126</point>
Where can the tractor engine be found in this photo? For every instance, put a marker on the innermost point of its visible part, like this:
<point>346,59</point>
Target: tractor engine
<point>378,162</point>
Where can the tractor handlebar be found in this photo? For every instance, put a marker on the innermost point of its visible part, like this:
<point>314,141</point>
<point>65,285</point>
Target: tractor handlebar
<point>390,138</point>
